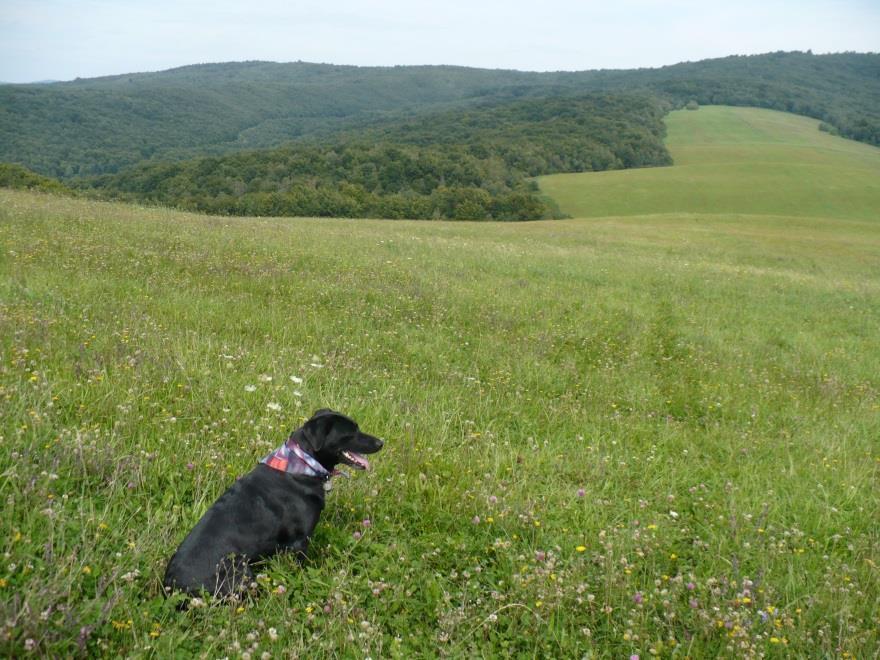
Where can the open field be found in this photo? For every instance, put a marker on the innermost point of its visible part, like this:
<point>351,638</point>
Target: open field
<point>627,435</point>
<point>736,160</point>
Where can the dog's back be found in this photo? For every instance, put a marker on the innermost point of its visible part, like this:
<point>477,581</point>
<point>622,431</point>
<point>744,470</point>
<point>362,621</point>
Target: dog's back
<point>263,513</point>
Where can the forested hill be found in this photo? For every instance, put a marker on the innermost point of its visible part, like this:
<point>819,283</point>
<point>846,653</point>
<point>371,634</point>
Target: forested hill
<point>102,125</point>
<point>464,164</point>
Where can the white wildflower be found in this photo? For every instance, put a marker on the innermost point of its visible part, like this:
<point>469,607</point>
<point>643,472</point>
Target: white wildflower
<point>131,576</point>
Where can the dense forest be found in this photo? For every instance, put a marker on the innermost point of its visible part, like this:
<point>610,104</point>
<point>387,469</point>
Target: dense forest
<point>464,164</point>
<point>103,125</point>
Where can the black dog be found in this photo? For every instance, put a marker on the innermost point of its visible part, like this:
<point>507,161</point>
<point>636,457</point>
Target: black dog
<point>274,508</point>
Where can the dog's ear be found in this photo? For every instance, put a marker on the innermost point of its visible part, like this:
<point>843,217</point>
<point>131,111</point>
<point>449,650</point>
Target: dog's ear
<point>326,425</point>
<point>315,429</point>
<point>313,432</point>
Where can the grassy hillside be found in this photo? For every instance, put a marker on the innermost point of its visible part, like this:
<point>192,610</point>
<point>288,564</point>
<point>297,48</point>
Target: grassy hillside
<point>628,435</point>
<point>102,125</point>
<point>841,89</point>
<point>736,160</point>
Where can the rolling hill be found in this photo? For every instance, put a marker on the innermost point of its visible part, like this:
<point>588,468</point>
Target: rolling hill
<point>102,125</point>
<point>735,160</point>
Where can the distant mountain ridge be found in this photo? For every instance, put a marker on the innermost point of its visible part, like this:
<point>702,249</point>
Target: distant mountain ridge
<point>102,125</point>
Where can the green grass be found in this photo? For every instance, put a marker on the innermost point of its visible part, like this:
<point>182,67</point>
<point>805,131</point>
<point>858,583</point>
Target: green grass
<point>736,160</point>
<point>708,381</point>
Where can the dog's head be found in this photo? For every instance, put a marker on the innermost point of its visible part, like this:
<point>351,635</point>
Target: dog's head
<point>333,438</point>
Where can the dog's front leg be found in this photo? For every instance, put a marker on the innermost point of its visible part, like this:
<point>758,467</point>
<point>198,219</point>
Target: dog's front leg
<point>296,547</point>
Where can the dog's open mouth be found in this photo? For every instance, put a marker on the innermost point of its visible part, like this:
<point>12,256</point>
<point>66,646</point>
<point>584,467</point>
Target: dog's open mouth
<point>355,460</point>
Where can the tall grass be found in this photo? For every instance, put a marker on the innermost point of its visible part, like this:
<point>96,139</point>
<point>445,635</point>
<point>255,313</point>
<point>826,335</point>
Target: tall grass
<point>628,436</point>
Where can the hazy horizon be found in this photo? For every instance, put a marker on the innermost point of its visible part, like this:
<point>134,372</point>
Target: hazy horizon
<point>429,64</point>
<point>63,39</point>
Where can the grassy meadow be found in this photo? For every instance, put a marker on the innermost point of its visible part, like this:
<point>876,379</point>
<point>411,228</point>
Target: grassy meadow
<point>650,435</point>
<point>736,160</point>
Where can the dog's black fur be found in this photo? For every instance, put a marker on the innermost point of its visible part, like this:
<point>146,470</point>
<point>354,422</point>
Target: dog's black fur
<point>265,512</point>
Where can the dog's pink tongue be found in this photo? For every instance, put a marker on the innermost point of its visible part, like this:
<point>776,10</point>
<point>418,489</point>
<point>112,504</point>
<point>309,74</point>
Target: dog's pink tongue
<point>358,460</point>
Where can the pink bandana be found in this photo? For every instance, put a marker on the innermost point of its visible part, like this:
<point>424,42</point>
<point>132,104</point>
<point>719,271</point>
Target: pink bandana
<point>293,459</point>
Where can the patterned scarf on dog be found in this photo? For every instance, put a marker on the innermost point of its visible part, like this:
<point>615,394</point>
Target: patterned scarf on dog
<point>293,459</point>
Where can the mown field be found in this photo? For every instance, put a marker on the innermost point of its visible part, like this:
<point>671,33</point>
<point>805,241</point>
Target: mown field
<point>736,160</point>
<point>652,435</point>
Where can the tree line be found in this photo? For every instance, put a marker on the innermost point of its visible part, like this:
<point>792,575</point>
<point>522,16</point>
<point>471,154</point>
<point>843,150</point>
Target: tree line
<point>464,165</point>
<point>20,178</point>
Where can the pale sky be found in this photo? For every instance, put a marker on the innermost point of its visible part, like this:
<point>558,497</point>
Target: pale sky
<point>63,39</point>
